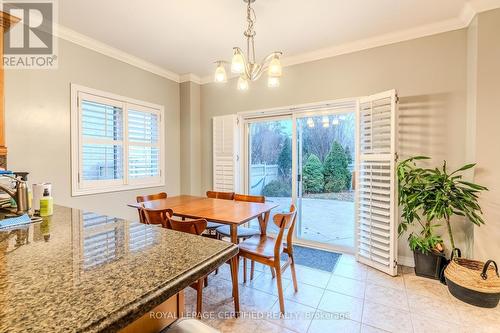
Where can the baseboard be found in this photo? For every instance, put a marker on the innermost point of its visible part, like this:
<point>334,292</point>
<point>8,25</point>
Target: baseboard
<point>406,261</point>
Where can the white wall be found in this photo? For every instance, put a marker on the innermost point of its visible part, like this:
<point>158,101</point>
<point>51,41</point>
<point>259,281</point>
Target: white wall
<point>487,133</point>
<point>190,138</point>
<point>37,104</point>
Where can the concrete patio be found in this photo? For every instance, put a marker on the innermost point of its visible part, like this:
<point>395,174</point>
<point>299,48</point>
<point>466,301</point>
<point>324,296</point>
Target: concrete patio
<point>326,221</point>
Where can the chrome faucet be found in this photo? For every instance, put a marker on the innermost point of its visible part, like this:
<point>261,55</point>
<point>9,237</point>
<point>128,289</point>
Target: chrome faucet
<point>20,194</point>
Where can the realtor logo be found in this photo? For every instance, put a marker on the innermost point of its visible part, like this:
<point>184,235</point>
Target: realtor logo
<point>31,44</point>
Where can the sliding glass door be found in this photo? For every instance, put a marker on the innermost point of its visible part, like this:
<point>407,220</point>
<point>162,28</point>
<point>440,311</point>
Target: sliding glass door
<point>269,162</point>
<point>325,165</point>
<point>308,159</point>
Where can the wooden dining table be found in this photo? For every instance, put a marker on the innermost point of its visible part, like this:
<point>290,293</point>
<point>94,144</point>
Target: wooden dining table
<point>229,212</point>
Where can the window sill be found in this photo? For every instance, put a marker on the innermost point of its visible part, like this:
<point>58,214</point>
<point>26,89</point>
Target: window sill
<point>121,188</point>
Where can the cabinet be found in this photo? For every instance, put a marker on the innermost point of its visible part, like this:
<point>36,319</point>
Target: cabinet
<point>6,21</point>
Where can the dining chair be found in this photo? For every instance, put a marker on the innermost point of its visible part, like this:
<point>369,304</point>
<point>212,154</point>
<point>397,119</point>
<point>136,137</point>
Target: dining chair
<point>220,195</point>
<point>243,232</point>
<point>267,250</point>
<point>195,227</point>
<point>149,197</point>
<point>156,216</point>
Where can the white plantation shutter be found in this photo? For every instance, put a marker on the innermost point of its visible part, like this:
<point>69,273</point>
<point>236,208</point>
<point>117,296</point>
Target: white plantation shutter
<point>144,160</point>
<point>116,142</point>
<point>226,153</point>
<point>101,124</point>
<point>376,204</point>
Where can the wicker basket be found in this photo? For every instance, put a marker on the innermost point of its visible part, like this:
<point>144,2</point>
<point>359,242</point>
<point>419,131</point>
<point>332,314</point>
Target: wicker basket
<point>473,281</point>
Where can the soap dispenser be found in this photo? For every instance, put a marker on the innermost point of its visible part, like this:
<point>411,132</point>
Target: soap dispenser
<point>46,204</point>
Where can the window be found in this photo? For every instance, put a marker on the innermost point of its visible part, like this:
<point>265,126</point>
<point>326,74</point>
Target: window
<point>117,142</point>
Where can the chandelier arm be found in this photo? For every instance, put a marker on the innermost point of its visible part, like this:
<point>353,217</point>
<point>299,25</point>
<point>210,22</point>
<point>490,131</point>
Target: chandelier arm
<point>265,63</point>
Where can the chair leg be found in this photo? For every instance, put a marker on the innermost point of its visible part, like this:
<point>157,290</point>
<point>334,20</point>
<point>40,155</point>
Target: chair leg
<point>272,272</point>
<point>252,269</point>
<point>199,298</point>
<point>244,270</point>
<point>205,281</point>
<point>294,275</point>
<point>280,289</point>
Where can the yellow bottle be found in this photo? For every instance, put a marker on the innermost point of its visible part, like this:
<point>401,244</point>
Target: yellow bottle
<point>46,204</point>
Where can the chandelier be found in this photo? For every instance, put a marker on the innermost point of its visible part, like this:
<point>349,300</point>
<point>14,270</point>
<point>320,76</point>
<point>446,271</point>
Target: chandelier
<point>248,69</point>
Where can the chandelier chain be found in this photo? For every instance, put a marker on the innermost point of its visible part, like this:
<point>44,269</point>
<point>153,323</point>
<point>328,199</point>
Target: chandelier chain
<point>250,32</point>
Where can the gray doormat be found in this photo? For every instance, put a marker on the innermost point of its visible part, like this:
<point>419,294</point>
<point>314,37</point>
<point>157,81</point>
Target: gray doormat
<point>314,258</point>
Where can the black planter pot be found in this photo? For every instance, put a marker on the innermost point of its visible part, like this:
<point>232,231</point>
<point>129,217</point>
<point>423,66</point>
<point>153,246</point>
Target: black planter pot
<point>429,265</point>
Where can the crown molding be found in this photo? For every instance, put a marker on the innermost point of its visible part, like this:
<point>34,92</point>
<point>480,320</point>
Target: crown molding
<point>190,77</point>
<point>469,11</point>
<point>95,45</point>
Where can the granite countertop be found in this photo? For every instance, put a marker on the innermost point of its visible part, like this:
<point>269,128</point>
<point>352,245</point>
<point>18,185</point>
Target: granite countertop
<point>79,271</point>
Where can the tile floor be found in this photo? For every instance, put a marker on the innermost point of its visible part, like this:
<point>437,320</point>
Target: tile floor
<point>354,298</point>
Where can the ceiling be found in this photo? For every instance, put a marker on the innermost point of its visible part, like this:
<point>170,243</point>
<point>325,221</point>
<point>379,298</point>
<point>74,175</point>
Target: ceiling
<point>187,36</point>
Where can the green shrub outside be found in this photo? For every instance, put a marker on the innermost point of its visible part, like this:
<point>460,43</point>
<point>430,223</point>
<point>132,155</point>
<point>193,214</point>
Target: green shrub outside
<point>312,172</point>
<point>335,170</point>
<point>285,160</point>
<point>276,188</point>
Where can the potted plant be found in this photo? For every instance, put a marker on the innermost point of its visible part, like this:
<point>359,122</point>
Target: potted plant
<point>429,197</point>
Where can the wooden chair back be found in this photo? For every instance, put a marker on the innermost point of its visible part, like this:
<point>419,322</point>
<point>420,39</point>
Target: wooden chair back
<point>285,220</point>
<point>156,216</point>
<point>150,197</point>
<point>250,198</point>
<point>195,227</point>
<point>286,223</point>
<point>220,195</point>
<point>143,198</point>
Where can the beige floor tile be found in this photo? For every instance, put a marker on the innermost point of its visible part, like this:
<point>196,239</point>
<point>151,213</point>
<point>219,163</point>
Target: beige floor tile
<point>347,259</point>
<point>386,296</point>
<point>236,325</point>
<point>370,329</point>
<point>253,300</point>
<point>266,283</point>
<point>385,280</point>
<point>307,294</point>
<point>433,307</point>
<point>225,273</point>
<point>313,277</point>
<point>219,290</point>
<point>259,267</point>
<point>387,318</point>
<point>483,328</point>
<point>347,286</point>
<point>427,287</point>
<point>474,316</point>
<point>422,324</point>
<point>286,274</point>
<point>324,322</point>
<point>374,301</point>
<point>340,304</point>
<point>357,272</point>
<point>268,327</point>
<point>406,270</point>
<point>297,316</point>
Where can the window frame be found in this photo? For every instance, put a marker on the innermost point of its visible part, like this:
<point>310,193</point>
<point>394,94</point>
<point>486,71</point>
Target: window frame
<point>79,187</point>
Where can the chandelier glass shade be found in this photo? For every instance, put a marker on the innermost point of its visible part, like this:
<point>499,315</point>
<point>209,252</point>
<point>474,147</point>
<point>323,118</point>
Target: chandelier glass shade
<point>246,67</point>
